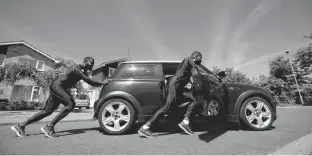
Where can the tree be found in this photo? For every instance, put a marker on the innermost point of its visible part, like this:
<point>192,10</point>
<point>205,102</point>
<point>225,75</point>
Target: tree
<point>274,86</point>
<point>309,36</point>
<point>13,72</point>
<point>233,76</point>
<point>280,68</point>
<point>2,72</point>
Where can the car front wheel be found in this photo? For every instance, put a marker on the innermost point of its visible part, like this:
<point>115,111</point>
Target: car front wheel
<point>257,114</point>
<point>116,116</point>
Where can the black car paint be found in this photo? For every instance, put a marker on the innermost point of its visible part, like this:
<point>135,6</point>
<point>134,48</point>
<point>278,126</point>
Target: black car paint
<point>146,97</point>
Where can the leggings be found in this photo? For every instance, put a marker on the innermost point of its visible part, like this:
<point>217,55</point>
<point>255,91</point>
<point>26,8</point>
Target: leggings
<point>190,97</point>
<point>174,84</point>
<point>58,95</point>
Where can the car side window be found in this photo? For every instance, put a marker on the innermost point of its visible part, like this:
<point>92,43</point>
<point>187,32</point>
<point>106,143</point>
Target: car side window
<point>142,71</point>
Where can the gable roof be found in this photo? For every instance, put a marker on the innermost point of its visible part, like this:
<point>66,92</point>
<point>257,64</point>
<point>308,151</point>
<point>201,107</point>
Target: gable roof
<point>109,62</point>
<point>154,61</point>
<point>31,47</point>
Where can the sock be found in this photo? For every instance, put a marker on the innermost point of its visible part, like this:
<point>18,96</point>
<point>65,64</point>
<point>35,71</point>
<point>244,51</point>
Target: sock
<point>145,127</point>
<point>186,121</point>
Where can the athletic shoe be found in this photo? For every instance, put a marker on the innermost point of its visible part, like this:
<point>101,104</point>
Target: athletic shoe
<point>186,128</point>
<point>146,132</point>
<point>19,130</point>
<point>49,131</point>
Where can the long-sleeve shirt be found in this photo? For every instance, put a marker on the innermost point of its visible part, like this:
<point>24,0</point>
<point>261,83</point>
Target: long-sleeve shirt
<point>73,75</point>
<point>184,69</point>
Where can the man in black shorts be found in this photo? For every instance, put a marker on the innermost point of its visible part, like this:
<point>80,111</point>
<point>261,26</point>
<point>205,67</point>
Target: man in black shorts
<point>59,94</point>
<point>180,79</point>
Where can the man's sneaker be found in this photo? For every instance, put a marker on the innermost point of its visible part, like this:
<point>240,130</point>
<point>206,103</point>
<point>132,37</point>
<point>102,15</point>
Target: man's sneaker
<point>146,132</point>
<point>187,129</point>
<point>19,130</point>
<point>48,131</point>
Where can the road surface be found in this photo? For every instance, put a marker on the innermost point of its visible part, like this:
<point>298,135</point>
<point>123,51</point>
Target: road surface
<point>210,138</point>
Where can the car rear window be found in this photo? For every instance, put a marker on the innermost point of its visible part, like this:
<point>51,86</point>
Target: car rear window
<point>138,71</point>
<point>170,68</point>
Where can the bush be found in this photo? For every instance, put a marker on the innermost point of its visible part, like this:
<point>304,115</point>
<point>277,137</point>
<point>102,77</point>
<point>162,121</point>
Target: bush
<point>307,96</point>
<point>283,101</point>
<point>21,105</point>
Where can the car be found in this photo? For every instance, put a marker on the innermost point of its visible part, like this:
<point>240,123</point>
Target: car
<point>80,103</point>
<point>81,100</point>
<point>137,90</point>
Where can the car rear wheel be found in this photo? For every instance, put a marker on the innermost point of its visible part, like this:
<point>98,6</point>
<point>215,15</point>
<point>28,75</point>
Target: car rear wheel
<point>214,107</point>
<point>257,114</point>
<point>116,116</point>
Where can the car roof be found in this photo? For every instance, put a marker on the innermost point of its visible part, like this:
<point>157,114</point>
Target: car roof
<point>152,61</point>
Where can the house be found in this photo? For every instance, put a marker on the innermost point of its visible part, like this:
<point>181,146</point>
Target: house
<point>99,73</point>
<point>22,52</point>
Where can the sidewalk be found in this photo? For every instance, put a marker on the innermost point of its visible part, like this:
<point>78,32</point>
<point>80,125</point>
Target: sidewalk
<point>13,117</point>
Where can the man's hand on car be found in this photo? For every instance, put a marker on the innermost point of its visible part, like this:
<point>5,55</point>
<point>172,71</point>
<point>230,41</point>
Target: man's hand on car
<point>106,81</point>
<point>189,86</point>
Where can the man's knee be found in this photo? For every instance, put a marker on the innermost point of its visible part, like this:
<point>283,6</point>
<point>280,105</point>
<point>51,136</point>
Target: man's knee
<point>69,108</point>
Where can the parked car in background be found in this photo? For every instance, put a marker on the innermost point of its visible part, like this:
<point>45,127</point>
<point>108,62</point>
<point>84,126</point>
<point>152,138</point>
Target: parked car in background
<point>82,100</point>
<point>138,88</point>
<point>80,103</point>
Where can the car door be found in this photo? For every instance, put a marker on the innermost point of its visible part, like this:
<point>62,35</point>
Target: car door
<point>144,83</point>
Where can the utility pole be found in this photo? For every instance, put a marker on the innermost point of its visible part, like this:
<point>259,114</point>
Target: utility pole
<point>287,52</point>
<point>129,54</point>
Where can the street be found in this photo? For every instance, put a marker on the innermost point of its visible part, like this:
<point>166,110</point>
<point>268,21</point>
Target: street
<point>210,138</point>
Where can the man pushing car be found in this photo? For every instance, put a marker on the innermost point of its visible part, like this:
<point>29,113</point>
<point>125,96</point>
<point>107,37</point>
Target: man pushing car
<point>188,68</point>
<point>59,94</point>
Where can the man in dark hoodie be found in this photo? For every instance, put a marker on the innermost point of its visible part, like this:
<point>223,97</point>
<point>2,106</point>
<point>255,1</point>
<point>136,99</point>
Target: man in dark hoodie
<point>59,94</point>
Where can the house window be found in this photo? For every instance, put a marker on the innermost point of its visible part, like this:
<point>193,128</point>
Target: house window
<point>35,93</point>
<point>40,65</point>
<point>2,57</point>
<point>32,62</point>
<point>111,71</point>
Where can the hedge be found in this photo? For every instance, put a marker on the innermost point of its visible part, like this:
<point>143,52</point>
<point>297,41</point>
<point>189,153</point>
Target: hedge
<point>21,105</point>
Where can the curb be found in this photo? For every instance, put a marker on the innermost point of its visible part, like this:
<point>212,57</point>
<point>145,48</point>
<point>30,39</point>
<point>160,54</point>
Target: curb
<point>40,122</point>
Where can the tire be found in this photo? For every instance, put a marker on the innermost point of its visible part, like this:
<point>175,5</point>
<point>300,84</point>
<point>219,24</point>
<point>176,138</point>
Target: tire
<point>216,111</point>
<point>128,113</point>
<point>88,107</point>
<point>256,115</point>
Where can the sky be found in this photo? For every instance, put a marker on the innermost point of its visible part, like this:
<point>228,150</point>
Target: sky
<point>240,34</point>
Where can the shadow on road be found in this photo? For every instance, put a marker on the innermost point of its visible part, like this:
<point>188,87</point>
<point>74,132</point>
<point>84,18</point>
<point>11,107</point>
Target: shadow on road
<point>76,131</point>
<point>71,131</point>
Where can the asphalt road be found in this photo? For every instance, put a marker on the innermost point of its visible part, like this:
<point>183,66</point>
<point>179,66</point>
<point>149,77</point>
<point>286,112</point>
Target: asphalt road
<point>209,139</point>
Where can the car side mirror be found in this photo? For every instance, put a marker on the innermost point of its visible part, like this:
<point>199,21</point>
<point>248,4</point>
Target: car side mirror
<point>222,74</point>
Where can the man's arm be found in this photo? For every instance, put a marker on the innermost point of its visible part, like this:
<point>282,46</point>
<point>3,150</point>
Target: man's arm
<point>203,69</point>
<point>87,79</point>
<point>193,72</point>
